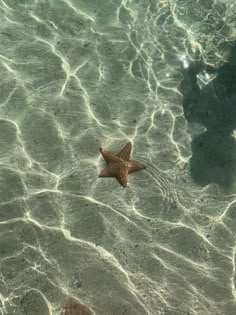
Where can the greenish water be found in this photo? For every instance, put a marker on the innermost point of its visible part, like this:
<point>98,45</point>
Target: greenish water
<point>79,75</point>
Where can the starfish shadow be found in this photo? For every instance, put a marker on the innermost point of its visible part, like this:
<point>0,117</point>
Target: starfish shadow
<point>212,104</point>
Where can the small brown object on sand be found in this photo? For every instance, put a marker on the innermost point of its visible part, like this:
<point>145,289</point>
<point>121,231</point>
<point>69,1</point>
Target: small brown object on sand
<point>119,165</point>
<point>76,309</point>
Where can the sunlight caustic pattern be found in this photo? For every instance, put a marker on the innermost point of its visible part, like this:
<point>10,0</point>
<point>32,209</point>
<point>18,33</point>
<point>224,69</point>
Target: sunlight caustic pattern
<point>79,75</point>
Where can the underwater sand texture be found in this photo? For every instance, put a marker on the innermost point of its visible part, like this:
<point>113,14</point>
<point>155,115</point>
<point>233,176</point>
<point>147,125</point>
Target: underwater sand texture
<point>77,75</point>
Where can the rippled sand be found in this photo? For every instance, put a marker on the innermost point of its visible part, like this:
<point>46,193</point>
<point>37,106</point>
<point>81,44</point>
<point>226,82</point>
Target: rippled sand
<point>79,75</point>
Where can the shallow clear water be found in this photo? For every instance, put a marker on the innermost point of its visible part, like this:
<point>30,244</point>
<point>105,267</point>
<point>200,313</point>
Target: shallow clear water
<point>83,74</point>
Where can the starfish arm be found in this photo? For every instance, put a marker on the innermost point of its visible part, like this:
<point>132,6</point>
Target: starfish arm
<point>134,166</point>
<point>125,152</point>
<point>108,156</point>
<point>122,175</point>
<point>110,170</point>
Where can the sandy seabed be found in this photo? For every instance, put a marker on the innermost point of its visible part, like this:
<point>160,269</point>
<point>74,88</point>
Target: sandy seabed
<point>78,75</point>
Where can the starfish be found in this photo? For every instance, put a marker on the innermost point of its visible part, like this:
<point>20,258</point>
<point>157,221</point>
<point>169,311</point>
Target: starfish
<point>76,309</point>
<point>119,165</point>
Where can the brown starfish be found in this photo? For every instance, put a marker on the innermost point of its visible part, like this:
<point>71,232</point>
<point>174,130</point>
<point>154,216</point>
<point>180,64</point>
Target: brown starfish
<point>119,165</point>
<point>76,309</point>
